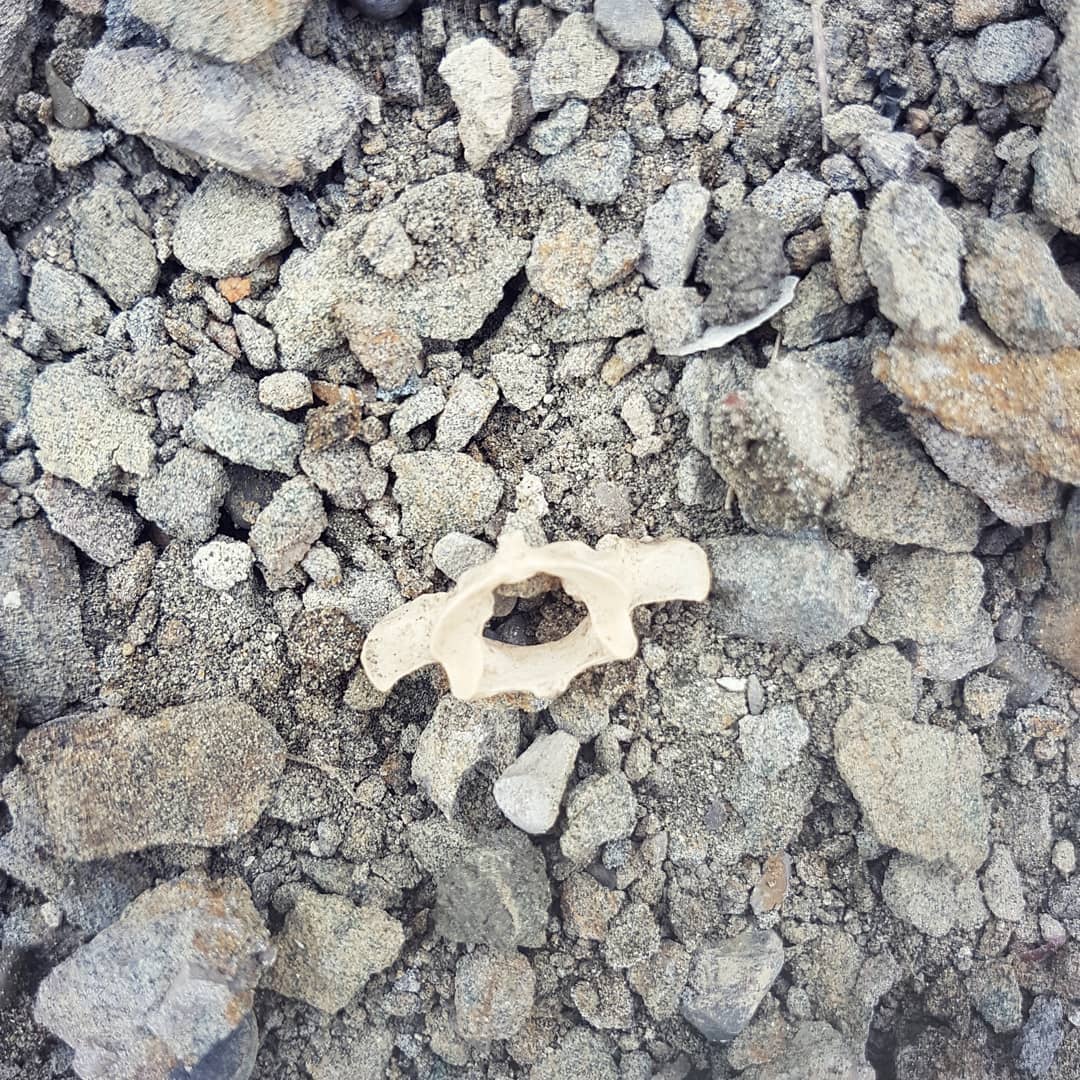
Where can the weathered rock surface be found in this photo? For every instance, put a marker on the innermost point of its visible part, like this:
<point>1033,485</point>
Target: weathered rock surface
<point>282,119</point>
<point>1056,193</point>
<point>1028,405</point>
<point>1056,627</point>
<point>493,994</point>
<point>441,492</point>
<point>45,664</point>
<point>530,791</point>
<point>108,782</point>
<point>919,787</point>
<point>98,524</point>
<point>157,991</point>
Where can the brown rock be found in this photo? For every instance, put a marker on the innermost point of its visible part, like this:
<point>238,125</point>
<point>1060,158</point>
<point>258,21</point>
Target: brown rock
<point>1028,404</point>
<point>108,782</point>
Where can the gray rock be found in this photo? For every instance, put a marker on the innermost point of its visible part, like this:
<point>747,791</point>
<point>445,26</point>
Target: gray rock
<point>563,252</point>
<point>629,24</point>
<point>467,408</point>
<point>1043,1031</point>
<point>329,948</point>
<point>19,32</point>
<point>233,425</point>
<point>453,285</point>
<point>781,590</point>
<point>581,1055</point>
<point>773,741</point>
<point>615,261</point>
<point>23,185</point>
<point>996,995</point>
<point>530,791</point>
<point>1057,612</point>
<point>459,737</point>
<point>108,782</point>
<point>1019,289</point>
<point>1017,494</point>
<point>1026,671</point>
<point>441,492</point>
<point>744,268</point>
<point>288,526</point>
<point>70,149</point>
<point>818,311</point>
<point>672,231</point>
<point>229,226</point>
<point>345,473</point>
<point>184,497</point>
<point>793,197</point>
<point>933,600</point>
<point>100,525</point>
<point>493,994</point>
<point>280,121</point>
<point>848,125</point>
<point>364,595</point>
<point>418,409</point>
<point>1011,52</point>
<point>68,306</point>
<point>285,391</point>
<point>257,341</point>
<point>919,787</point>
<point>632,938</point>
<point>932,897</point>
<point>219,30</point>
<point>911,253</point>
<point>728,981</point>
<point>112,244</point>
<point>221,564</point>
<point>45,664</point>
<point>672,317</point>
<point>1002,887</point>
<point>969,163</point>
<point>560,129</point>
<point>12,282</point>
<point>890,155</point>
<point>843,221</point>
<point>1056,191</point>
<point>573,63</point>
<point>897,495</point>
<point>817,1051</point>
<point>495,893</point>
<point>592,171</point>
<point>600,809</point>
<point>493,102</point>
<point>84,432</point>
<point>359,1052</point>
<point>162,987</point>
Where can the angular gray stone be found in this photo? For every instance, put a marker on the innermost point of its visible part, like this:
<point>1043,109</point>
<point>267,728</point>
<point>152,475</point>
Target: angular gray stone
<point>728,981</point>
<point>560,129</point>
<point>672,231</point>
<point>792,197</point>
<point>573,63</point>
<point>818,312</point>
<point>1019,289</point>
<point>996,995</point>
<point>467,408</point>
<point>441,492</point>
<point>1056,190</point>
<point>911,253</point>
<point>1041,1036</point>
<point>112,245</point>
<point>12,282</point>
<point>84,432</point>
<point>67,305</point>
<point>495,893</point>
<point>786,590</point>
<point>1011,52</point>
<point>816,1051</point>
<point>492,101</point>
<point>292,521</point>
<point>919,787</point>
<point>629,24</point>
<point>221,564</point>
<point>933,600</point>
<point>329,948</point>
<point>184,497</point>
<point>563,253</point>
<point>530,791</point>
<point>155,993</point>
<point>592,171</point>
<point>969,163</point>
<point>930,896</point>
<point>1002,885</point>
<point>897,495</point>
<point>1056,626</point>
<point>98,524</point>
<point>233,425</point>
<point>1017,494</point>
<point>773,741</point>
<point>493,994</point>
<point>108,782</point>
<point>19,32</point>
<point>280,121</point>
<point>346,474</point>
<point>459,737</point>
<point>45,664</point>
<point>222,30</point>
<point>600,809</point>
<point>364,595</point>
<point>285,391</point>
<point>890,155</point>
<point>229,226</point>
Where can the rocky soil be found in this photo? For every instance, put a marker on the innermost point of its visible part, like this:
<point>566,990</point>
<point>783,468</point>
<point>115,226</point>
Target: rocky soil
<point>304,304</point>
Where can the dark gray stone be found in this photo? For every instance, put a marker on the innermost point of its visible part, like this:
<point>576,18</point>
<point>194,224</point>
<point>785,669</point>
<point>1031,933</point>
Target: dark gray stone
<point>12,282</point>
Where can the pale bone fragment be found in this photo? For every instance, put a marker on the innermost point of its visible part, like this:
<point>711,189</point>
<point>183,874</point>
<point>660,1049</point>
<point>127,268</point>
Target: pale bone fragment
<point>447,628</point>
<point>716,337</point>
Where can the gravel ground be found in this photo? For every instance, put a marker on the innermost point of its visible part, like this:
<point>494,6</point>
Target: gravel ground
<point>304,305</point>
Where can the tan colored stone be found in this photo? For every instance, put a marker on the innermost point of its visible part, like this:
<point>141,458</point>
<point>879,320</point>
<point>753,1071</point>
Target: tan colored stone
<point>1028,404</point>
